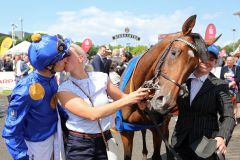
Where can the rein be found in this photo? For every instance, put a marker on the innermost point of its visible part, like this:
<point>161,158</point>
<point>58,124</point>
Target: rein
<point>174,153</point>
<point>182,87</point>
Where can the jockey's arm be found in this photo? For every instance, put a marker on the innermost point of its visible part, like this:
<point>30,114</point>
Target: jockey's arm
<point>13,131</point>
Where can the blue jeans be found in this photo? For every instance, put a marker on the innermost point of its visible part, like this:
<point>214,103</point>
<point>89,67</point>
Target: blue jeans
<point>86,148</point>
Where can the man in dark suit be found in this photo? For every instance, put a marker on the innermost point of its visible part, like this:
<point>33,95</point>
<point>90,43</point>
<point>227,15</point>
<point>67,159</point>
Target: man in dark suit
<point>100,62</point>
<point>206,111</point>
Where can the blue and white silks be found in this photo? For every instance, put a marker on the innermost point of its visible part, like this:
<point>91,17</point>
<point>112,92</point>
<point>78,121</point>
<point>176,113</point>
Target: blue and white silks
<point>32,114</point>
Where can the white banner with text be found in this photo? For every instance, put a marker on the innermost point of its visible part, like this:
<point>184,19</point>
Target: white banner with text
<point>7,81</point>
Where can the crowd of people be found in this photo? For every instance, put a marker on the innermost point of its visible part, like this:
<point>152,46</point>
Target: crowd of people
<point>84,101</point>
<point>227,68</point>
<point>19,63</point>
<point>111,62</point>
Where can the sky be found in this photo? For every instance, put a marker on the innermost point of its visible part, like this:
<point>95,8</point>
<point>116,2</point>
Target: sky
<point>99,20</point>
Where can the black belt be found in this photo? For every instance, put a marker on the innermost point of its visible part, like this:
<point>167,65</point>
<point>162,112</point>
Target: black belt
<point>107,132</point>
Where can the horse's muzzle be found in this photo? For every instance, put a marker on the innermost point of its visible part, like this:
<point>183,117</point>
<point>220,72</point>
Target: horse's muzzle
<point>159,103</point>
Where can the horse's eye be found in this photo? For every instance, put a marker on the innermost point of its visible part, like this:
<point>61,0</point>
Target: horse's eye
<point>174,53</point>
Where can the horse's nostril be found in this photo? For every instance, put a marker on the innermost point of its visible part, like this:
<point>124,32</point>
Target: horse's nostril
<point>158,102</point>
<point>160,98</point>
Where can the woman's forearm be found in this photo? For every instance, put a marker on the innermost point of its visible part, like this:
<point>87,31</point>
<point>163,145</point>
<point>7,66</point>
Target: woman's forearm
<point>107,109</point>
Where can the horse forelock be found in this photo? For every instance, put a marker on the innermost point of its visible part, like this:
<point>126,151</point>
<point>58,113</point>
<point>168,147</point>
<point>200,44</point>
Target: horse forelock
<point>200,45</point>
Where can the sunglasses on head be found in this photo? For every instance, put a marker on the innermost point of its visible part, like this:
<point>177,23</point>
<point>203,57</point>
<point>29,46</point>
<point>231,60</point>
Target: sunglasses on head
<point>61,47</point>
<point>60,43</point>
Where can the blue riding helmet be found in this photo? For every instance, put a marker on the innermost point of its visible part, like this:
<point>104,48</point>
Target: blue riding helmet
<point>47,50</point>
<point>213,49</point>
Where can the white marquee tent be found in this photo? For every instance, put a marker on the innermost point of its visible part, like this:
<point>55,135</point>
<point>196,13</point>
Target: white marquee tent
<point>21,48</point>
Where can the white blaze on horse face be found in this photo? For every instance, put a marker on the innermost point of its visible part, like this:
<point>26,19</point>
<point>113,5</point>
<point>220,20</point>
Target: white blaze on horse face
<point>191,53</point>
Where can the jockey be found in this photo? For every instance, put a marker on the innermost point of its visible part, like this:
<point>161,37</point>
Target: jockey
<point>32,118</point>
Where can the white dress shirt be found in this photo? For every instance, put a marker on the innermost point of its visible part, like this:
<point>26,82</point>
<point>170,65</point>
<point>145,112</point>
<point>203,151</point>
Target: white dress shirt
<point>196,85</point>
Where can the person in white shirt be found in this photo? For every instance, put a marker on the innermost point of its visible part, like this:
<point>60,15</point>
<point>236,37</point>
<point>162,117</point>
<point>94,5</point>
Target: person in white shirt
<point>85,140</point>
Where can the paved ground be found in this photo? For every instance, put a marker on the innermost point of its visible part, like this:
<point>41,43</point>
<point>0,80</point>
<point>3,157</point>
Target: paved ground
<point>232,154</point>
<point>3,151</point>
<point>233,151</point>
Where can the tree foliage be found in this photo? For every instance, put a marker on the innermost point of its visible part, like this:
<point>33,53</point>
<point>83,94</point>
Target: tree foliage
<point>231,47</point>
<point>139,49</point>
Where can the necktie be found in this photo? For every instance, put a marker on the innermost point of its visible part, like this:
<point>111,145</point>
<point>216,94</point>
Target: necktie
<point>188,83</point>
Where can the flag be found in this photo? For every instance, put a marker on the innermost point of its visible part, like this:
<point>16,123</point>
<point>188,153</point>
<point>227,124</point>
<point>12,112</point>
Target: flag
<point>222,53</point>
<point>210,32</point>
<point>86,44</point>
<point>6,44</point>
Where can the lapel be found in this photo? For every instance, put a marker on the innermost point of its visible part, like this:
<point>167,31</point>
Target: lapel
<point>207,85</point>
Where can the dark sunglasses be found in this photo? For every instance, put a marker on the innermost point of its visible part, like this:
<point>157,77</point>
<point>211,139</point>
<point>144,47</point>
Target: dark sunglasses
<point>61,47</point>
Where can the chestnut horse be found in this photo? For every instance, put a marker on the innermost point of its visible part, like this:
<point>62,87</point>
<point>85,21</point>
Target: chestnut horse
<point>164,67</point>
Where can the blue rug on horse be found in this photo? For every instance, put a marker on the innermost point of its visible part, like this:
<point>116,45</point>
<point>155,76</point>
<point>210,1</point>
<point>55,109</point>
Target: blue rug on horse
<point>119,124</point>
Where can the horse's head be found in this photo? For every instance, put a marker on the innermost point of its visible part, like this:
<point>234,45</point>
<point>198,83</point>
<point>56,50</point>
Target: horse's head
<point>179,58</point>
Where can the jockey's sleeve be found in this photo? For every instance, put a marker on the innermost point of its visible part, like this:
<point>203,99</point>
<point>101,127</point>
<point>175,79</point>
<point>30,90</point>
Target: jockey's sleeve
<point>13,131</point>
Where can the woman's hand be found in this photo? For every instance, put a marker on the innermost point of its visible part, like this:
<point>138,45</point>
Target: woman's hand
<point>137,96</point>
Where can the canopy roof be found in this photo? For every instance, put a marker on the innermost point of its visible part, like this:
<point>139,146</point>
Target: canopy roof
<point>21,48</point>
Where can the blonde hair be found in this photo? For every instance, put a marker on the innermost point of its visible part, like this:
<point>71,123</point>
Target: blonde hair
<point>80,51</point>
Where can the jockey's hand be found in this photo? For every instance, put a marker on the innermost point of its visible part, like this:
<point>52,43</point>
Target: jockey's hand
<point>221,145</point>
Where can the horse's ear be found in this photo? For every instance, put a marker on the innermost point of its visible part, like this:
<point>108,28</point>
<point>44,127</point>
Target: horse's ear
<point>212,40</point>
<point>188,25</point>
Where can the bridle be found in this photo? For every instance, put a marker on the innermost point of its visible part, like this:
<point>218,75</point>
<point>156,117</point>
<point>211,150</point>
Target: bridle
<point>153,83</point>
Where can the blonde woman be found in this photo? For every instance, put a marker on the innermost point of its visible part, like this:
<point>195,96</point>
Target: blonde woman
<point>85,140</point>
